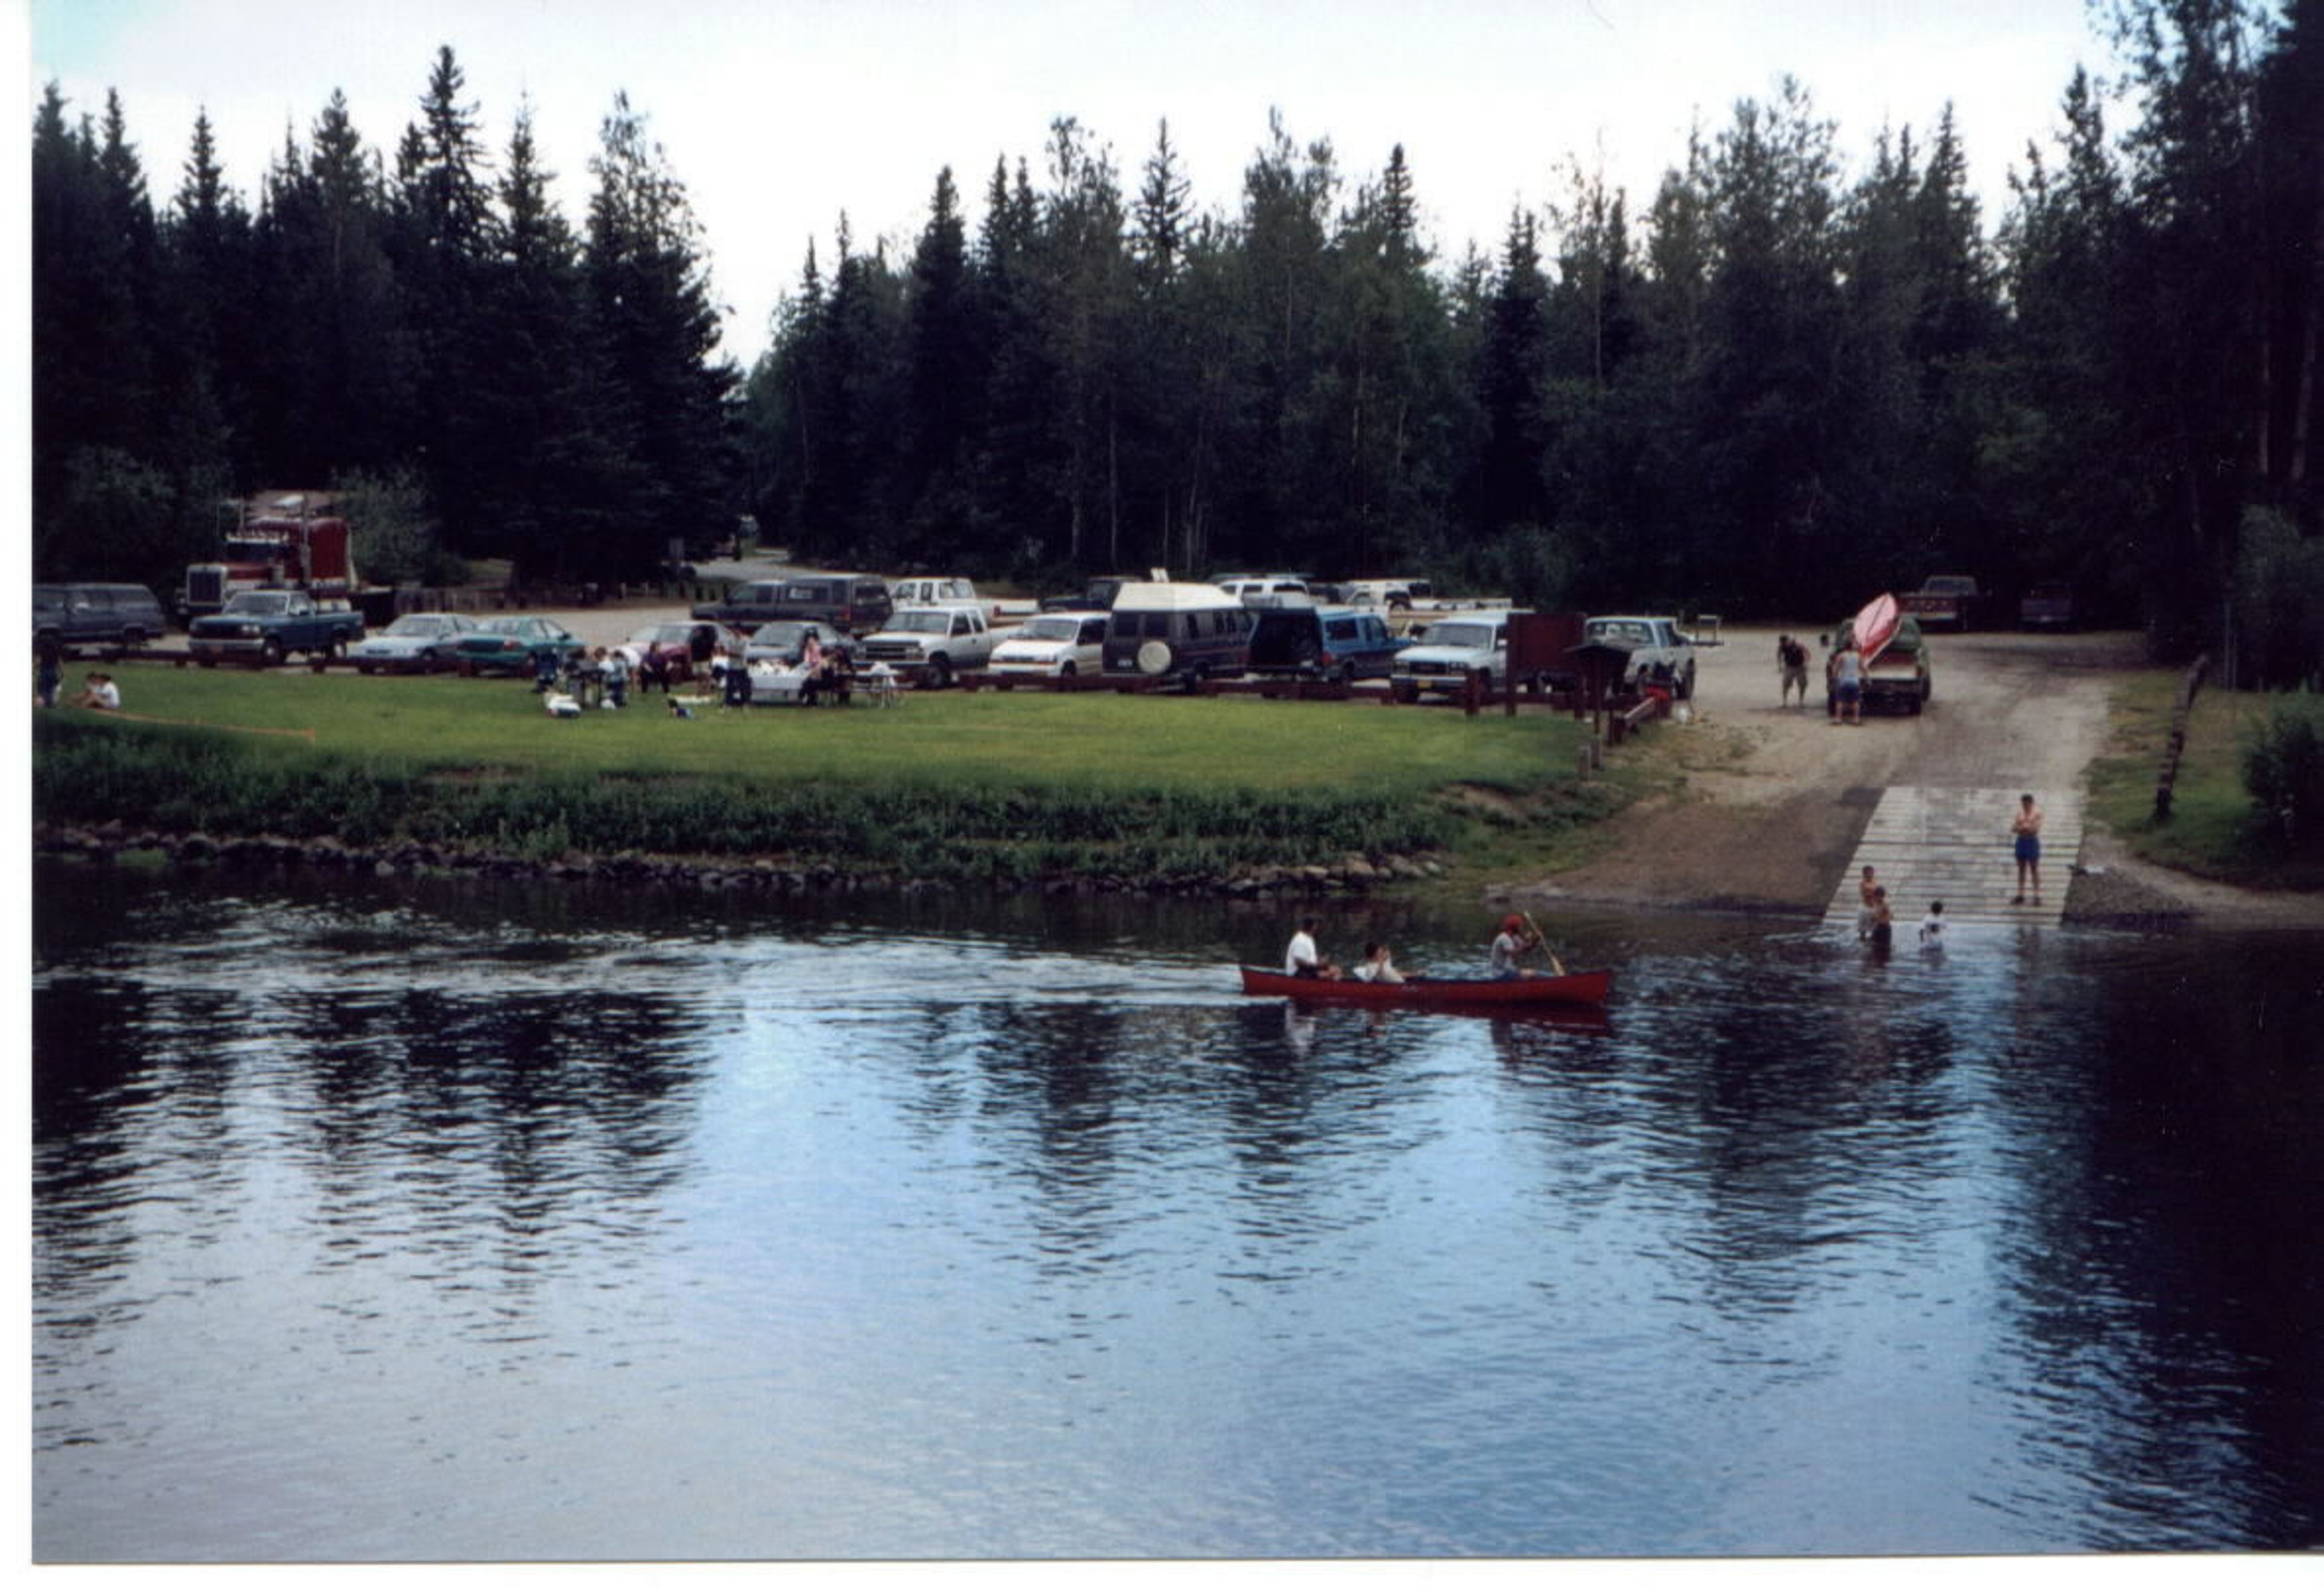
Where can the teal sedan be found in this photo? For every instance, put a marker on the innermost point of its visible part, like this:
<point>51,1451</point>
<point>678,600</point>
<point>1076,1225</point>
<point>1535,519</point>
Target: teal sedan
<point>514,644</point>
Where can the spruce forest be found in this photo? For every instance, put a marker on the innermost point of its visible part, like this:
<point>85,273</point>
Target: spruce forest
<point>1799,371</point>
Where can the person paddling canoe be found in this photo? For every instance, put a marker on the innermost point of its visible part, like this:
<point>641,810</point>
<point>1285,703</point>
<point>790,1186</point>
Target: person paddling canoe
<point>1517,938</point>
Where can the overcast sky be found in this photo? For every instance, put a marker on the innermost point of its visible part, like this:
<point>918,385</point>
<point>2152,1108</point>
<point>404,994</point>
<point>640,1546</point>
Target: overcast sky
<point>778,114</point>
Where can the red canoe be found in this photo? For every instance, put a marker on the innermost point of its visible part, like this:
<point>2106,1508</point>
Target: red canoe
<point>1579,987</point>
<point>1874,627</point>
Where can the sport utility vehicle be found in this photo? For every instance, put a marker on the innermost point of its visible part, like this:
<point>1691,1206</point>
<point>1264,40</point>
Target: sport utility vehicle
<point>96,615</point>
<point>1322,643</point>
<point>857,603</point>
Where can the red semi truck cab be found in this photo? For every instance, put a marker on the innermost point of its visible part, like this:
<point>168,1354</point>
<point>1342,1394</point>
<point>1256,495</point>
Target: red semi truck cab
<point>273,552</point>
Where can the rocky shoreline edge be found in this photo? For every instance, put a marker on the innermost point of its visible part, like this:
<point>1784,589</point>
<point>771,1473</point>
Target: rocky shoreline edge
<point>2101,899</point>
<point>109,842</point>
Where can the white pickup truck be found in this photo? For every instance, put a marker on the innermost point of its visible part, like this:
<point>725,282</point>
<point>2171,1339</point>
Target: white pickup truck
<point>927,645</point>
<point>1659,648</point>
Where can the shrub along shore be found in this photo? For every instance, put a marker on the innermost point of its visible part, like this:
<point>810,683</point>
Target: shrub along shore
<point>1008,792</point>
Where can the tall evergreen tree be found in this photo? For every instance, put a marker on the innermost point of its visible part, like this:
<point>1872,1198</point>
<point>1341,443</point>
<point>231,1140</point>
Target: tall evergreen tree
<point>1763,405</point>
<point>946,384</point>
<point>558,472</point>
<point>335,376</point>
<point>442,239</point>
<point>658,328</point>
<point>1512,373</point>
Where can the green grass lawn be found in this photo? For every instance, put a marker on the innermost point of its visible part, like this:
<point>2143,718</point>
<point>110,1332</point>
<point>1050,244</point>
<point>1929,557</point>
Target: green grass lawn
<point>1019,737</point>
<point>1016,784</point>
<point>2212,832</point>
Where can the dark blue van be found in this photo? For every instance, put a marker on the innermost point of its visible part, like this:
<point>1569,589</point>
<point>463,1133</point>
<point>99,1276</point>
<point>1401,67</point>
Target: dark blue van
<point>1337,643</point>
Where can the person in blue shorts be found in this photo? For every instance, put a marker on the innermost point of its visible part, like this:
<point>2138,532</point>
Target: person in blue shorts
<point>1847,685</point>
<point>2027,830</point>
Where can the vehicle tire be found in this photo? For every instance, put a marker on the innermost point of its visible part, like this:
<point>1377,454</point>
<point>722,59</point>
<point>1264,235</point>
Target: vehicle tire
<point>336,649</point>
<point>271,653</point>
<point>131,638</point>
<point>1912,706</point>
<point>939,671</point>
<point>207,661</point>
<point>1406,694</point>
<point>1345,675</point>
<point>1066,670</point>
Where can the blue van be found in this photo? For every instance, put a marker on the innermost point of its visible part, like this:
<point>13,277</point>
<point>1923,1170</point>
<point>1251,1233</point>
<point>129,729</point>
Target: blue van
<point>1337,643</point>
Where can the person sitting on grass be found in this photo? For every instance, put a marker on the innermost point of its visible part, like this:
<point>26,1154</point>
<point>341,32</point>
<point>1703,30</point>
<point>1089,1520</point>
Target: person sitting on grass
<point>99,693</point>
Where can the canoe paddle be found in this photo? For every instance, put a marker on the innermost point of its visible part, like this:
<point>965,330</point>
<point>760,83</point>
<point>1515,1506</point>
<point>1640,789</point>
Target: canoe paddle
<point>1534,927</point>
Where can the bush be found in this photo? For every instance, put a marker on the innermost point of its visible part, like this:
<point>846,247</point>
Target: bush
<point>2279,605</point>
<point>2284,768</point>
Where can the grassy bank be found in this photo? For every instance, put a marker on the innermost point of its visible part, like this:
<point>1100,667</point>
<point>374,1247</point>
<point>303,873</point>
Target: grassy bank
<point>1014,788</point>
<point>2214,831</point>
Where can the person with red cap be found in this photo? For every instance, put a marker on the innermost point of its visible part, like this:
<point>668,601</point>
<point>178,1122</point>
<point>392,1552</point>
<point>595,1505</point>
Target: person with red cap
<point>1517,938</point>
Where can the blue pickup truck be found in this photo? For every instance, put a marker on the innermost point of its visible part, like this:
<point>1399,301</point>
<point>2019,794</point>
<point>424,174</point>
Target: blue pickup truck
<point>267,625</point>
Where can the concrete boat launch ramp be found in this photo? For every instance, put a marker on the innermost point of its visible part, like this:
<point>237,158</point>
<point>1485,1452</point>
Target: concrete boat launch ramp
<point>1955,845</point>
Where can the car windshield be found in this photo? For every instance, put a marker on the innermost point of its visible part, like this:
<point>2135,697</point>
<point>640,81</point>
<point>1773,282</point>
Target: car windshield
<point>421,625</point>
<point>516,626</point>
<point>1462,636</point>
<point>259,604</point>
<point>1619,633</point>
<point>924,621</point>
<point>1051,628</point>
<point>782,636</point>
<point>661,634</point>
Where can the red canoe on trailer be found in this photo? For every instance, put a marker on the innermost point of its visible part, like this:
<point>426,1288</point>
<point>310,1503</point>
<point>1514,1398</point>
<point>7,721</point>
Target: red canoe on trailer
<point>1875,625</point>
<point>1581,987</point>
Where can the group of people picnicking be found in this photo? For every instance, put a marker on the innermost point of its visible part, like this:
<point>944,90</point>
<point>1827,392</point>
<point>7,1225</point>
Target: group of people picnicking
<point>1517,937</point>
<point>603,677</point>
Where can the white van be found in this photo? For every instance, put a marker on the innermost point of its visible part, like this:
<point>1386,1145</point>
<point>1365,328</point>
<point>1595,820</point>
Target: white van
<point>1177,630</point>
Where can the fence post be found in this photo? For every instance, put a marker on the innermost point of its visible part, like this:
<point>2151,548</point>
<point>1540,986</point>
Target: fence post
<point>2176,744</point>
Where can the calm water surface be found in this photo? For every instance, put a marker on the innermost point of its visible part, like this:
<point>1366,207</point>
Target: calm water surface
<point>427,1221</point>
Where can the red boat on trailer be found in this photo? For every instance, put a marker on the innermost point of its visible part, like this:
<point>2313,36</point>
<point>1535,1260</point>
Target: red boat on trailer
<point>1585,988</point>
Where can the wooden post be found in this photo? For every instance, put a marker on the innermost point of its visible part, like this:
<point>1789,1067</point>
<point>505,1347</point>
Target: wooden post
<point>2176,745</point>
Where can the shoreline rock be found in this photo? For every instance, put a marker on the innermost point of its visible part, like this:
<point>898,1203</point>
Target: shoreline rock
<point>106,842</point>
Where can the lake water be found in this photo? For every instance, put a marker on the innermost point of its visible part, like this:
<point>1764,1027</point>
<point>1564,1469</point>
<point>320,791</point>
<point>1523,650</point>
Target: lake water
<point>445,1221</point>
